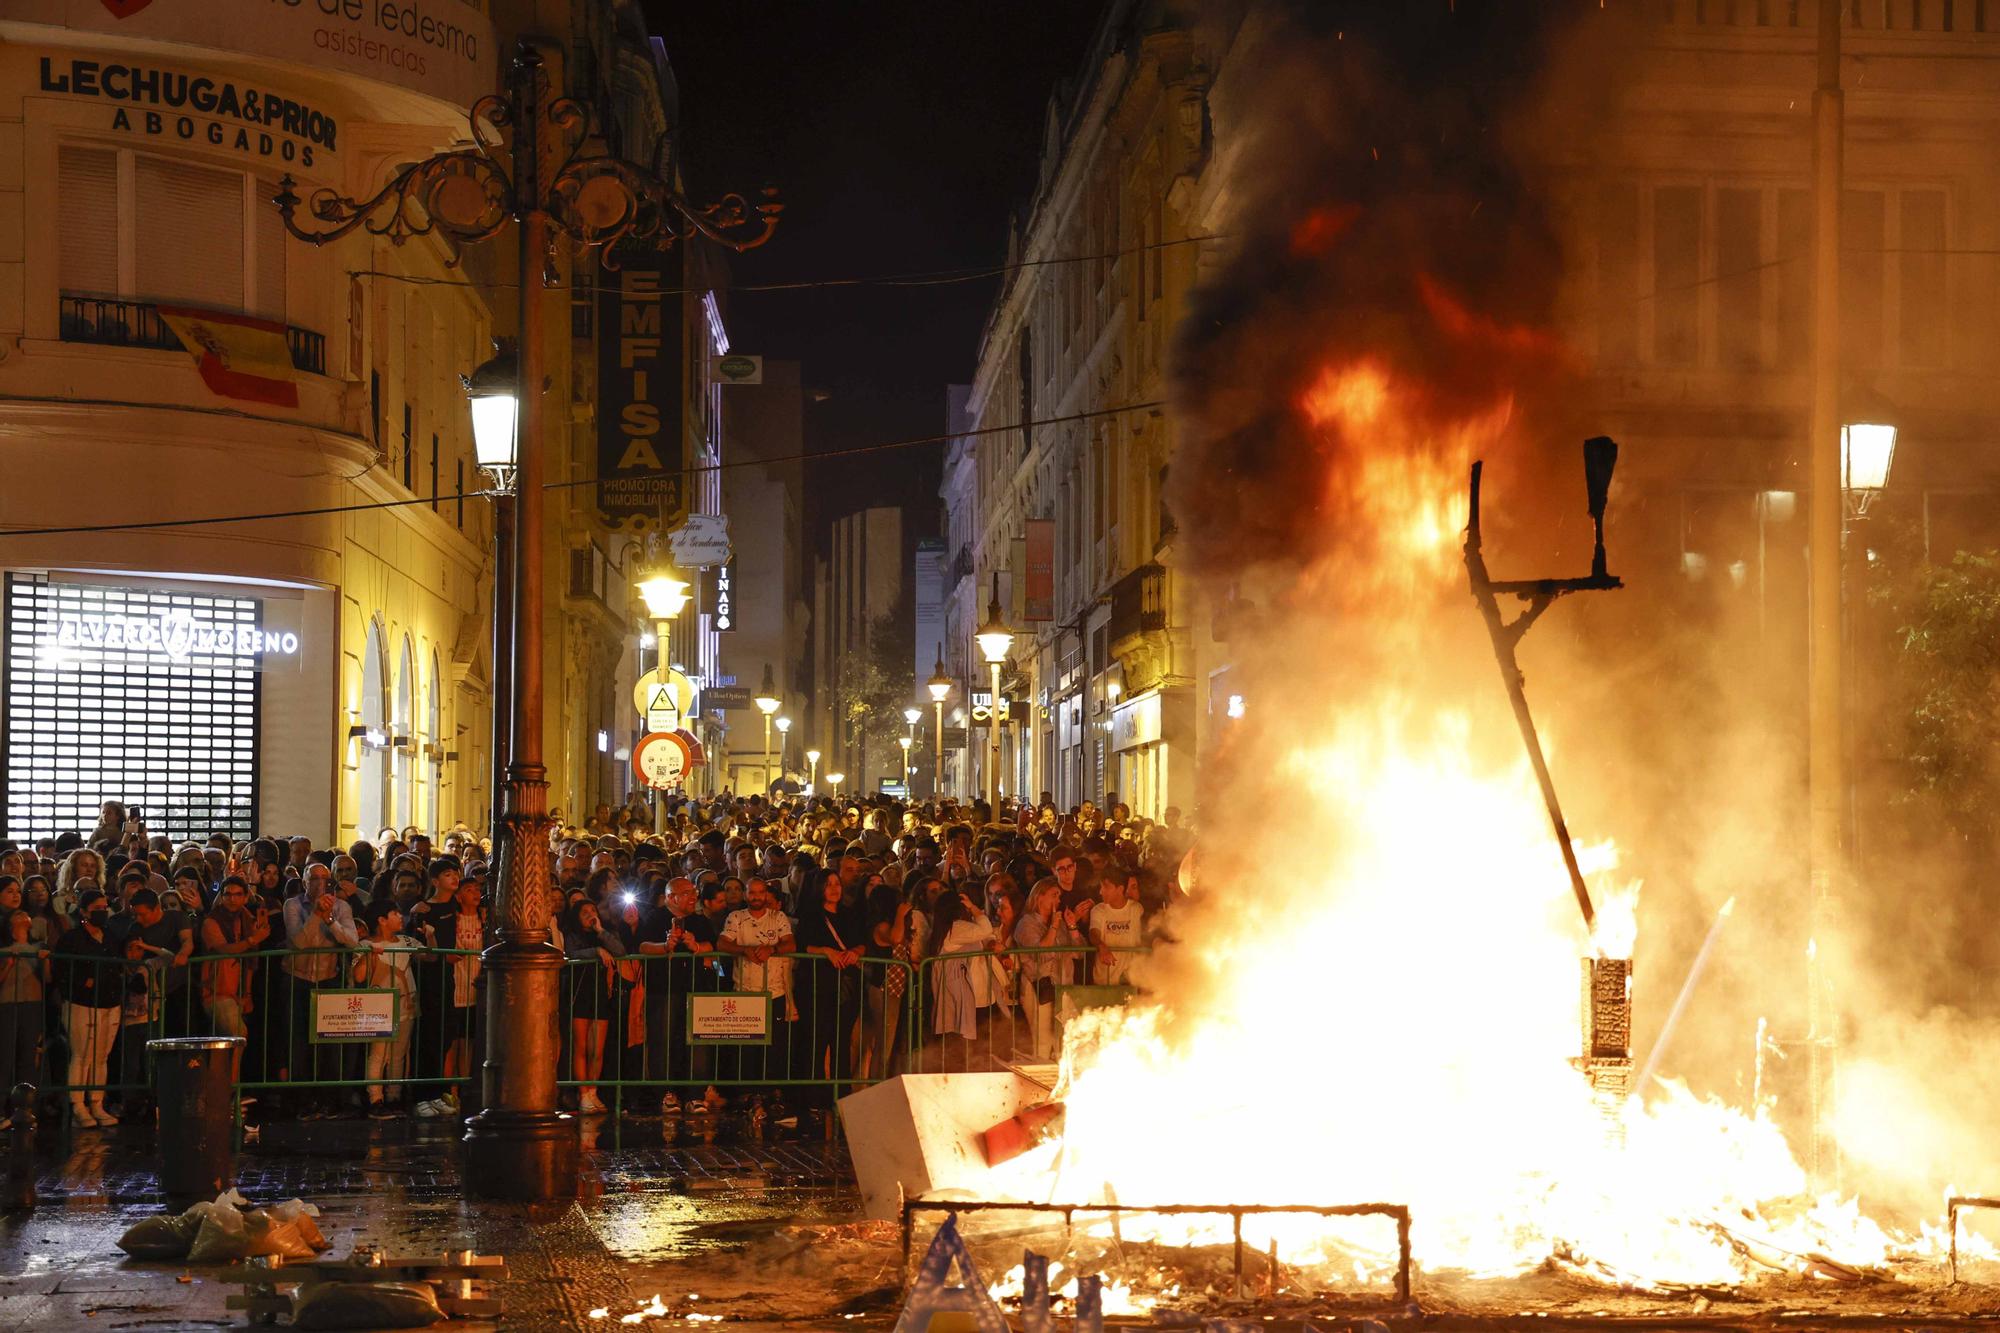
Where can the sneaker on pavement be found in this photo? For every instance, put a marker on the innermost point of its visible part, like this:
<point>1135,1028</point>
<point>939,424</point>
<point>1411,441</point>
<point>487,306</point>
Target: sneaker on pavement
<point>432,1109</point>
<point>104,1117</point>
<point>381,1111</point>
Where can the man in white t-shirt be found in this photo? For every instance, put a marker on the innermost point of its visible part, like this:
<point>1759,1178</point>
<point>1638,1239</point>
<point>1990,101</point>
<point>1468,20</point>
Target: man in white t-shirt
<point>1114,924</point>
<point>756,933</point>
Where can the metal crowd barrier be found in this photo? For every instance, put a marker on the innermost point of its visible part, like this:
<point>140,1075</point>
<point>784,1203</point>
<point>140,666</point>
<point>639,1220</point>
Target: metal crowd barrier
<point>1030,995</point>
<point>645,1024</point>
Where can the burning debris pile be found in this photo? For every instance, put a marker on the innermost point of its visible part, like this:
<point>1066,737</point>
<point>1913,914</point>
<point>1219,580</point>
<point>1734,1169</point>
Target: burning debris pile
<point>1372,993</point>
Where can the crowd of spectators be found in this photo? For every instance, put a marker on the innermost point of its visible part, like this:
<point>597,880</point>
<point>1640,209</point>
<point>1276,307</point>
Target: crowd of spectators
<point>830,909</point>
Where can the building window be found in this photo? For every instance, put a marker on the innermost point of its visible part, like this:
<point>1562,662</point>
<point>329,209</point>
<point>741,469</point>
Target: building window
<point>1025,358</point>
<point>134,225</point>
<point>1739,289</point>
<point>1922,307</point>
<point>1676,275</point>
<point>1662,249</point>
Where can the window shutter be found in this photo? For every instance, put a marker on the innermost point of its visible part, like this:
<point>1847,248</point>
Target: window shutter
<point>88,191</point>
<point>268,240</point>
<point>189,226</point>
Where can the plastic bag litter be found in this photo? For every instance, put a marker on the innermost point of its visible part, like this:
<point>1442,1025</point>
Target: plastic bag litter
<point>228,1233</point>
<point>169,1237</point>
<point>160,1237</point>
<point>299,1214</point>
<point>366,1305</point>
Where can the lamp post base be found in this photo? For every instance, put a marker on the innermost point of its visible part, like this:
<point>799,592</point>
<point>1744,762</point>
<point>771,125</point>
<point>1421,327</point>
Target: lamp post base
<point>521,1157</point>
<point>520,1147</point>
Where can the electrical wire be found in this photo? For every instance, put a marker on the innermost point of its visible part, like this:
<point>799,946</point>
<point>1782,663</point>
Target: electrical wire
<point>917,278</point>
<point>441,497</point>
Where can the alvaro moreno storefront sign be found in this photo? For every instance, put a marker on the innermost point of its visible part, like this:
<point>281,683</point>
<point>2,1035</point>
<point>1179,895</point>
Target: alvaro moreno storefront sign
<point>441,48</point>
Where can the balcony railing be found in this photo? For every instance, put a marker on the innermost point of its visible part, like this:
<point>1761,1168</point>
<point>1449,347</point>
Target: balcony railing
<point>96,319</point>
<point>1901,16</point>
<point>1139,603</point>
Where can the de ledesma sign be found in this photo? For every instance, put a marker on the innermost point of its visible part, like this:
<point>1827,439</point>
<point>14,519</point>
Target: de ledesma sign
<point>442,48</point>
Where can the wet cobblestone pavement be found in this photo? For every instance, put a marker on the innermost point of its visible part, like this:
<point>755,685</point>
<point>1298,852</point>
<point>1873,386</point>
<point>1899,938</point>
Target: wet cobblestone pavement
<point>712,1223</point>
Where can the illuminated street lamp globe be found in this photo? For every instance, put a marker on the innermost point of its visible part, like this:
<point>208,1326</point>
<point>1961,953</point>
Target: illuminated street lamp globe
<point>766,698</point>
<point>784,725</point>
<point>939,684</point>
<point>913,715</point>
<point>493,392</point>
<point>994,638</point>
<point>664,591</point>
<point>812,757</point>
<point>1867,450</point>
<point>834,780</point>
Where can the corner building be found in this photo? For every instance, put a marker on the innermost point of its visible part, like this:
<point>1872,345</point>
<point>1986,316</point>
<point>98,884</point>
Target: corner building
<point>243,602</point>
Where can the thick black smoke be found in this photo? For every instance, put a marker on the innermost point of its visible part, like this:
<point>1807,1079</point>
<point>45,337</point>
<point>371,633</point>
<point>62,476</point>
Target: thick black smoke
<point>1375,211</point>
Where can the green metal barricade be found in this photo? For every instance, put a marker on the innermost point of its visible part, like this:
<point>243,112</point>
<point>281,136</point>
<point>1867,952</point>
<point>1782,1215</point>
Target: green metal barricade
<point>994,1008</point>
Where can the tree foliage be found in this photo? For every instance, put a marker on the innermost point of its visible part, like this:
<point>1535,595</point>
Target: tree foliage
<point>871,690</point>
<point>1941,731</point>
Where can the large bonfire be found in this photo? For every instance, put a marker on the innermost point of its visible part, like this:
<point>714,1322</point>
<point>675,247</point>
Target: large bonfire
<point>1372,992</point>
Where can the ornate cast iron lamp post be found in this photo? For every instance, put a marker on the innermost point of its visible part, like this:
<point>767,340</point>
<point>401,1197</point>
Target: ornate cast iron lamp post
<point>528,165</point>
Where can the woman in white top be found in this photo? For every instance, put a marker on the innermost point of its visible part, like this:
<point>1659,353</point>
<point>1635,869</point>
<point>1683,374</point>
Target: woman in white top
<point>384,964</point>
<point>960,988</point>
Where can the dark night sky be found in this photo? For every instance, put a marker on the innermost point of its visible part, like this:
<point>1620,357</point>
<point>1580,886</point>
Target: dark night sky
<point>902,134</point>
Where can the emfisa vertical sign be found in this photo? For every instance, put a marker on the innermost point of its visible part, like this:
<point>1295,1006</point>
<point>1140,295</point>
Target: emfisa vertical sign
<point>641,454</point>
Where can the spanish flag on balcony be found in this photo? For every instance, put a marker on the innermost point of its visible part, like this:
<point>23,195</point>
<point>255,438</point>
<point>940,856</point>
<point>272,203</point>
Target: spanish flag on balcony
<point>239,356</point>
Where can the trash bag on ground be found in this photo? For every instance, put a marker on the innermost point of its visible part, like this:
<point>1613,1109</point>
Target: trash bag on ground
<point>366,1305</point>
<point>298,1215</point>
<point>169,1237</point>
<point>228,1234</point>
<point>159,1237</point>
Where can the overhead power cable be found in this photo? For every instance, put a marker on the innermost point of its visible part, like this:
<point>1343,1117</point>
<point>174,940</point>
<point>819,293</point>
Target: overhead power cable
<point>320,511</point>
<point>917,278</point>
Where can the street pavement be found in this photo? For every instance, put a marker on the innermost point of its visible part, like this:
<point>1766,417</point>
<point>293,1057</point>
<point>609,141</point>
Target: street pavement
<point>707,1218</point>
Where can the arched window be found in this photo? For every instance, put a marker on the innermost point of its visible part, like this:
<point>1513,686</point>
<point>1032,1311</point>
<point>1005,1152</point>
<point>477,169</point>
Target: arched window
<point>405,737</point>
<point>373,780</point>
<point>434,731</point>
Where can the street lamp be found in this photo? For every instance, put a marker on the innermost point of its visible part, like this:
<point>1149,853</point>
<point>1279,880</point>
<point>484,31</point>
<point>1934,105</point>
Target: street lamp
<point>784,725</point>
<point>527,165</point>
<point>1867,449</point>
<point>493,393</point>
<point>940,687</point>
<point>994,639</point>
<point>834,780</point>
<point>812,761</point>
<point>665,594</point>
<point>767,702</point>
<point>906,742</point>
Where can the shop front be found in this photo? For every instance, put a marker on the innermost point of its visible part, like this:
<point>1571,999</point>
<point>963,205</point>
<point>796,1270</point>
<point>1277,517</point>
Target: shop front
<point>202,703</point>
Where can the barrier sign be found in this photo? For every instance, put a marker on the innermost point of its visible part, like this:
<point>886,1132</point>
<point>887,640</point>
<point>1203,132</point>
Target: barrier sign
<point>354,1015</point>
<point>729,1018</point>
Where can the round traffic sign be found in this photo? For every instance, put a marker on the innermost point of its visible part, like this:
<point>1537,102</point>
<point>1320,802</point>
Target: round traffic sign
<point>661,759</point>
